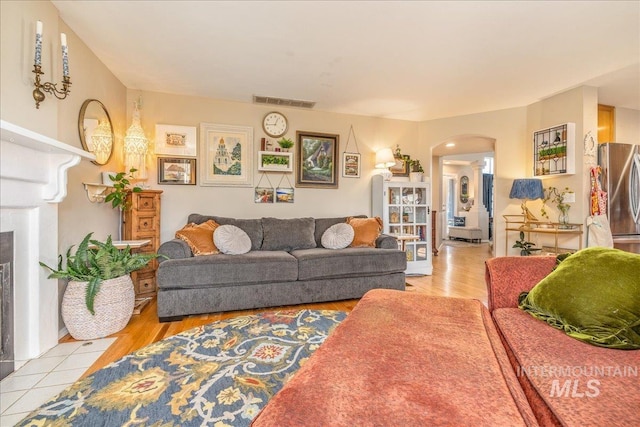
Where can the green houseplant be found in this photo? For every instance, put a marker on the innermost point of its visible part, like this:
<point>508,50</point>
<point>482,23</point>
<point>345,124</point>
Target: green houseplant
<point>285,143</point>
<point>526,248</point>
<point>99,297</point>
<point>118,195</point>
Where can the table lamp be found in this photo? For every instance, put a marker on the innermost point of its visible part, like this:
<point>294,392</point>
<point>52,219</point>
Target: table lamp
<point>384,160</point>
<point>527,189</point>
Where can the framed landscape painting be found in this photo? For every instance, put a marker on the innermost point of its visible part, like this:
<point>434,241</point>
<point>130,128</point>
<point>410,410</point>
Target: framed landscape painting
<point>176,171</point>
<point>317,160</point>
<point>226,155</point>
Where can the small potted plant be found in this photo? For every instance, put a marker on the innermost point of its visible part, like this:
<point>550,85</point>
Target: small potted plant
<point>526,248</point>
<point>118,195</point>
<point>416,173</point>
<point>99,297</point>
<point>285,144</point>
<point>561,199</point>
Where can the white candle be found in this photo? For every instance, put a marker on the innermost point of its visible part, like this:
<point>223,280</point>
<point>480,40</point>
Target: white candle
<point>65,54</point>
<point>38,58</point>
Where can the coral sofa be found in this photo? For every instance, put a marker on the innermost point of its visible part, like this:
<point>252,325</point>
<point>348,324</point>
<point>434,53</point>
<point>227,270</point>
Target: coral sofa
<point>566,381</point>
<point>286,265</point>
<point>414,360</point>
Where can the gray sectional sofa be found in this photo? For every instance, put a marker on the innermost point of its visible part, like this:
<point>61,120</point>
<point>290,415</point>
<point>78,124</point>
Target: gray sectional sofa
<point>275,272</point>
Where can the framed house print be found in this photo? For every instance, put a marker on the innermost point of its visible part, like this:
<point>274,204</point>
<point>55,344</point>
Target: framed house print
<point>317,160</point>
<point>172,140</point>
<point>351,165</point>
<point>176,171</point>
<point>226,155</point>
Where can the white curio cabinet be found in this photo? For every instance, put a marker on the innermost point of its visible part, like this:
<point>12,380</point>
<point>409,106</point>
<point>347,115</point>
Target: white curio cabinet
<point>405,209</point>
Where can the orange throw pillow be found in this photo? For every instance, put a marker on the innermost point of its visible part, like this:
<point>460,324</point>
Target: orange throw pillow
<point>199,237</point>
<point>366,231</point>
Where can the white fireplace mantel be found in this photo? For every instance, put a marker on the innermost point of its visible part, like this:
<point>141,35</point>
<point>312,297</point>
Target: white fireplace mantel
<point>33,180</point>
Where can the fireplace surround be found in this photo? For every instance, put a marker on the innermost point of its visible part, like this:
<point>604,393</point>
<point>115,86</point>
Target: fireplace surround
<point>33,180</point>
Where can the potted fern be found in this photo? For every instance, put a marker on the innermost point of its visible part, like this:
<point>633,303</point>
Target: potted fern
<point>99,297</point>
<point>285,144</point>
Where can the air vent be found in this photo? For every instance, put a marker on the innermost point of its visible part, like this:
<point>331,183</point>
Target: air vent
<point>283,102</point>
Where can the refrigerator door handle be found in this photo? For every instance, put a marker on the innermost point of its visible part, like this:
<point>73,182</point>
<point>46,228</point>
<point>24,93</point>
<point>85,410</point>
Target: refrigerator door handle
<point>634,188</point>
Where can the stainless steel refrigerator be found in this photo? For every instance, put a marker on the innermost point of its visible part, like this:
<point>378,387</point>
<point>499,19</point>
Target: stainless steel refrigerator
<point>620,165</point>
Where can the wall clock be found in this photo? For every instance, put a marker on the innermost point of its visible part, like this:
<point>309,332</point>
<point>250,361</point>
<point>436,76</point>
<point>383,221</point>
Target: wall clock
<point>275,124</point>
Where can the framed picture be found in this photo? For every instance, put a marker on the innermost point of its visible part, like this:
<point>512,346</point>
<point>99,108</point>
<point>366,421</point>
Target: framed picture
<point>174,140</point>
<point>317,160</point>
<point>284,195</point>
<point>272,161</point>
<point>176,171</point>
<point>226,155</point>
<point>263,195</point>
<point>401,168</point>
<point>351,165</point>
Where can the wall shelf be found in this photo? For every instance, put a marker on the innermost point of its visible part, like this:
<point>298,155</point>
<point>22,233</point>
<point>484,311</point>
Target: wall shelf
<point>97,192</point>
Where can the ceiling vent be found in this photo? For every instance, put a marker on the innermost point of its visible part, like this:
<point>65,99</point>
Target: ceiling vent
<point>283,102</point>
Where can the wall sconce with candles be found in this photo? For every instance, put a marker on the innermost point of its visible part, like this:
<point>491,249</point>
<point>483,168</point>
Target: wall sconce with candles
<point>384,160</point>
<point>50,88</point>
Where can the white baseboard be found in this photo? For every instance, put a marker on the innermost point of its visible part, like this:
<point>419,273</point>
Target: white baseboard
<point>62,332</point>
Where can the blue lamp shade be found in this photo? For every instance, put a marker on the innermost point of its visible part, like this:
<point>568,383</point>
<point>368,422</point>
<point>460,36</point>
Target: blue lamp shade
<point>527,189</point>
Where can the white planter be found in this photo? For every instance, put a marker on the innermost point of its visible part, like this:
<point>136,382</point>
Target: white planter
<point>113,306</point>
<point>416,176</point>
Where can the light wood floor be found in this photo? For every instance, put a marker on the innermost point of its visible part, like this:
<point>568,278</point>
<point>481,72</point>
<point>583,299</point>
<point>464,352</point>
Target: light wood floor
<point>458,271</point>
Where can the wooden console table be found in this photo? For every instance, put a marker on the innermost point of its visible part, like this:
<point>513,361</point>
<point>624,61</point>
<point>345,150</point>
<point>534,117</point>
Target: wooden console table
<point>518,223</point>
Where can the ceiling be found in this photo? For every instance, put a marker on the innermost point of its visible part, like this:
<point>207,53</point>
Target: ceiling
<point>405,60</point>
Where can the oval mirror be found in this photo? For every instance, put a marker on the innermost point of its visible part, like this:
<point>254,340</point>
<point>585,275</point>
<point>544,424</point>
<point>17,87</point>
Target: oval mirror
<point>464,189</point>
<point>96,130</point>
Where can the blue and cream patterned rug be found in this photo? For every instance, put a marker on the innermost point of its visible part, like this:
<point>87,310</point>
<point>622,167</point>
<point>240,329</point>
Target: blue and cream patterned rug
<point>216,375</point>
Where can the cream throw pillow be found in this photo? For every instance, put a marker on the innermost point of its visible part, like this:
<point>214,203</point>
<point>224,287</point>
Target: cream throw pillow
<point>338,236</point>
<point>231,240</point>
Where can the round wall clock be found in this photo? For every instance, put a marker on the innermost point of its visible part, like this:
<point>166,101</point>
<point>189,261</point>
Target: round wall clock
<point>275,124</point>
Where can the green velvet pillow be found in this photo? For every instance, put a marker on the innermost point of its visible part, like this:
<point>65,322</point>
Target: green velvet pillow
<point>594,296</point>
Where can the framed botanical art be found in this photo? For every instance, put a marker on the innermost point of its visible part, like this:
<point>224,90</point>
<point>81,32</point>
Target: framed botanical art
<point>176,171</point>
<point>226,155</point>
<point>317,160</point>
<point>172,140</point>
<point>272,161</point>
<point>351,165</point>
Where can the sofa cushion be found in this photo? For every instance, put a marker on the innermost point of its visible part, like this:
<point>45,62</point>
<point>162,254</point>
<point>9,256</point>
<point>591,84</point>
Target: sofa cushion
<point>253,227</point>
<point>571,382</point>
<point>199,237</point>
<point>366,231</point>
<point>231,240</point>
<point>594,296</point>
<point>322,263</point>
<point>288,234</point>
<point>322,224</point>
<point>227,270</point>
<point>338,236</point>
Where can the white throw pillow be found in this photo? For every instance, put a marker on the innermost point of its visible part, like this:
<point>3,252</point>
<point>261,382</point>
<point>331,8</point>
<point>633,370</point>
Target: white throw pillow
<point>231,240</point>
<point>338,236</point>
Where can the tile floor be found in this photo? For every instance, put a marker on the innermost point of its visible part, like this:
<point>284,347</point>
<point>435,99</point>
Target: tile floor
<point>40,379</point>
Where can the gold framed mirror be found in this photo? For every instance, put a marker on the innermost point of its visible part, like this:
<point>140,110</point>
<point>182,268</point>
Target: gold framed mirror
<point>96,130</point>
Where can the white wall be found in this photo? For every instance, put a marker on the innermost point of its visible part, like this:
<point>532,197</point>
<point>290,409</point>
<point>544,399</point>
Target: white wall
<point>352,196</point>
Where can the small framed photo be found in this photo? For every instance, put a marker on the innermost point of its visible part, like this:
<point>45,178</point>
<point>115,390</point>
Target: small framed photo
<point>263,195</point>
<point>351,165</point>
<point>176,171</point>
<point>284,195</point>
<point>401,168</point>
<point>172,140</point>
<point>271,161</point>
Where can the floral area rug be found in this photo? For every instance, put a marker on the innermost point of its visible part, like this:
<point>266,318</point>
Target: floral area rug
<point>217,375</point>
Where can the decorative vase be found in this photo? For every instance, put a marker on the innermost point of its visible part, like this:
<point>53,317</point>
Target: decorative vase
<point>416,176</point>
<point>563,217</point>
<point>113,306</point>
